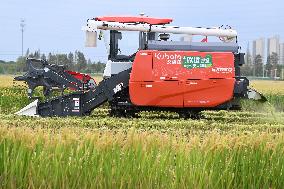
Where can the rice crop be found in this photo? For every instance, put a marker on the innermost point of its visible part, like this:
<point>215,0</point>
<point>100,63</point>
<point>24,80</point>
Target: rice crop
<point>225,149</point>
<point>74,157</point>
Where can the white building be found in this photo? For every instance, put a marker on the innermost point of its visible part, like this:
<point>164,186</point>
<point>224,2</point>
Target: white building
<point>273,45</point>
<point>258,48</point>
<point>248,57</point>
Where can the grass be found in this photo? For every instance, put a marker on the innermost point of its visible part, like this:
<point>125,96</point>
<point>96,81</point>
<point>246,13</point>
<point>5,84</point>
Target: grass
<point>236,149</point>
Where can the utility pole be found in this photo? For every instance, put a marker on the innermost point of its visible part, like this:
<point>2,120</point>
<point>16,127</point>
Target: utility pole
<point>22,25</point>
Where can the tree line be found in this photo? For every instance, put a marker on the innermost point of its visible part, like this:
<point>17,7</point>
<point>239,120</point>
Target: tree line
<point>72,61</point>
<point>77,62</point>
<point>257,66</point>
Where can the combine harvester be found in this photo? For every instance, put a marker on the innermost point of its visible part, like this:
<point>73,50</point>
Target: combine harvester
<point>162,75</point>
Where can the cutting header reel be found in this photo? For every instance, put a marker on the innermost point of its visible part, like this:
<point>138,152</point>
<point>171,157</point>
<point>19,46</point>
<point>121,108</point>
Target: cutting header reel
<point>52,77</point>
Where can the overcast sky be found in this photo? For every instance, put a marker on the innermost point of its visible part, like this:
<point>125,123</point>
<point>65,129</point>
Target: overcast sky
<point>55,25</point>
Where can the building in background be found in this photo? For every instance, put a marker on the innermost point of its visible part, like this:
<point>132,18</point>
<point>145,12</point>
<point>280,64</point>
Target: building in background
<point>281,54</point>
<point>273,45</point>
<point>258,48</point>
<point>248,57</point>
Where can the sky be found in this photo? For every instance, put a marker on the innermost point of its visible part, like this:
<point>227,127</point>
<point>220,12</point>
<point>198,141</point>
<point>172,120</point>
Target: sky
<point>55,25</point>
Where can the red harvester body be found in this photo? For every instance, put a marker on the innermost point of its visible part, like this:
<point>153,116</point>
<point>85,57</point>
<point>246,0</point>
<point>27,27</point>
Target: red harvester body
<point>172,79</point>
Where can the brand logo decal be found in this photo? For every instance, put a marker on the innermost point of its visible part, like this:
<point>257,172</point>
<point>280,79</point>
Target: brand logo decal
<point>222,70</point>
<point>170,58</point>
<point>190,62</point>
<point>118,88</point>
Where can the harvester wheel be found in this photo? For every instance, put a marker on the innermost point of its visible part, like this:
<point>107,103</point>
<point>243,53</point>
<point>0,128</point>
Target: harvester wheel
<point>131,114</point>
<point>190,114</point>
<point>117,113</point>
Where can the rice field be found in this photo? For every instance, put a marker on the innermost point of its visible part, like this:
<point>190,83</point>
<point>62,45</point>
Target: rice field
<point>275,87</point>
<point>236,149</point>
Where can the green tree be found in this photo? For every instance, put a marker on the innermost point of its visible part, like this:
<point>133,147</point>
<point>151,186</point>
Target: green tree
<point>248,59</point>
<point>100,67</point>
<point>280,71</point>
<point>81,62</point>
<point>272,63</point>
<point>89,62</point>
<point>71,60</point>
<point>62,59</point>
<point>43,57</point>
<point>27,53</point>
<point>1,69</point>
<point>247,70</point>
<point>36,54</point>
<point>21,64</point>
<point>52,59</point>
<point>258,66</point>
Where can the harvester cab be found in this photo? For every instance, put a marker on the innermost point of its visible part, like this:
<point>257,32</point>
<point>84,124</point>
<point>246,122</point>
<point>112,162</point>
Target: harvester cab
<point>183,76</point>
<point>154,34</point>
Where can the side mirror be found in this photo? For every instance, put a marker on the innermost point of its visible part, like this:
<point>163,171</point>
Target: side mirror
<point>91,39</point>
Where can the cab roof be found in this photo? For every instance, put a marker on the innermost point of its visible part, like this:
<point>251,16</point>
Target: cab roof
<point>135,19</point>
